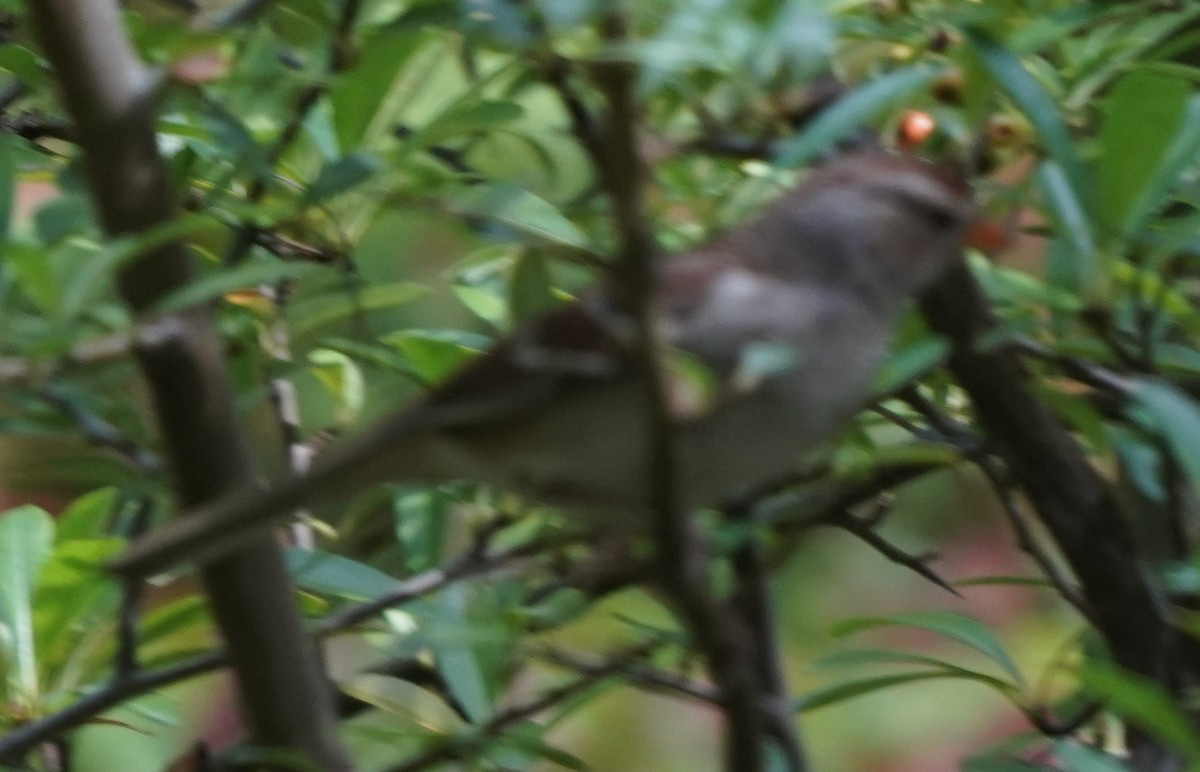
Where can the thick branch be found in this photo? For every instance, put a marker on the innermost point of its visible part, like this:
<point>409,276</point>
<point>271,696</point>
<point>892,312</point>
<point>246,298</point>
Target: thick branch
<point>109,95</point>
<point>1067,493</point>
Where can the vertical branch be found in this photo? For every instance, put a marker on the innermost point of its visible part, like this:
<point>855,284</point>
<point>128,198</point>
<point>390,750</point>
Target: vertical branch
<point>110,97</point>
<point>682,560</point>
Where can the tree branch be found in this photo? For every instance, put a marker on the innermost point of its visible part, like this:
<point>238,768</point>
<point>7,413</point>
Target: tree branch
<point>110,97</point>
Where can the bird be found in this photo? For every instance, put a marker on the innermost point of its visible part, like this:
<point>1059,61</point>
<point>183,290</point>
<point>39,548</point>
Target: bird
<point>767,340</point>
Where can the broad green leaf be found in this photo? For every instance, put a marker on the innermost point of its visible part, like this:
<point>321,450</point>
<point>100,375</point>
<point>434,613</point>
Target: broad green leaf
<point>1041,109</point>
<point>1141,461</point>
<point>910,363</point>
<point>341,175</point>
<point>324,572</point>
<point>1172,415</point>
<point>484,301</point>
<point>403,698</point>
<point>1181,151</point>
<point>26,536</point>
<point>85,517</point>
<point>310,315</point>
<point>853,111</point>
<point>467,118</point>
<point>76,600</point>
<point>1142,114</point>
<point>529,741</point>
<point>422,515</point>
<point>521,210</point>
<point>359,96</point>
<point>951,624</point>
<point>1081,758</point>
<point>530,292</point>
<point>343,379</point>
<point>435,354</point>
<point>1145,704</point>
<point>33,270</point>
<point>249,275</point>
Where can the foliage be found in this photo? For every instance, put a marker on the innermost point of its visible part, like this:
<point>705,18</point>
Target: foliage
<point>377,190</point>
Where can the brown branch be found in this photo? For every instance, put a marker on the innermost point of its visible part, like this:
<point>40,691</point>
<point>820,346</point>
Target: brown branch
<point>681,560</point>
<point>1125,605</point>
<point>110,97</point>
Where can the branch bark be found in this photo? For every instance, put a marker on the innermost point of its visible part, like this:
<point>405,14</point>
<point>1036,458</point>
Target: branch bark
<point>1068,495</point>
<point>110,97</point>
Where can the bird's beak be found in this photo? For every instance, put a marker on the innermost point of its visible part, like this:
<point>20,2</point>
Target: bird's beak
<point>987,235</point>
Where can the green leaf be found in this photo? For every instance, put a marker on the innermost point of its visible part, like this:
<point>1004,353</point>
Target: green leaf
<point>1003,765</point>
<point>1087,278</point>
<point>435,354</point>
<point>1082,758</point>
<point>86,516</point>
<point>341,175</point>
<point>340,375</point>
<point>310,315</point>
<point>1172,415</point>
<point>854,110</point>
<point>1144,703</point>
<point>8,183</point>
<point>359,96</point>
<point>466,118</point>
<point>1142,114</point>
<point>910,363</point>
<point>530,293</point>
<point>1041,109</point>
<point>457,660</point>
<point>422,515</point>
<point>840,692</point>
<point>951,624</point>
<point>403,698</point>
<point>519,209</point>
<point>326,573</point>
<point>250,274</point>
<point>858,658</point>
<point>26,537</point>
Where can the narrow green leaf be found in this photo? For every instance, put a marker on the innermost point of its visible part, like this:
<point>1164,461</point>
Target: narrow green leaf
<point>1041,109</point>
<point>1172,415</point>
<point>1143,703</point>
<point>951,624</point>
<point>457,661</point>
<point>310,315</point>
<point>246,276</point>
<point>467,118</point>
<point>8,183</point>
<point>403,698</point>
<point>519,209</point>
<point>26,537</point>
<point>341,175</point>
<point>1087,278</point>
<point>829,695</point>
<point>855,110</point>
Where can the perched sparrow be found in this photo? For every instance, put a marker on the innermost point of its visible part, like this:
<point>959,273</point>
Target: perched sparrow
<point>781,324</point>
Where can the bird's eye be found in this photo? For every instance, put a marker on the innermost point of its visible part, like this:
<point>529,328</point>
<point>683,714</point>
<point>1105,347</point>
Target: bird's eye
<point>940,217</point>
